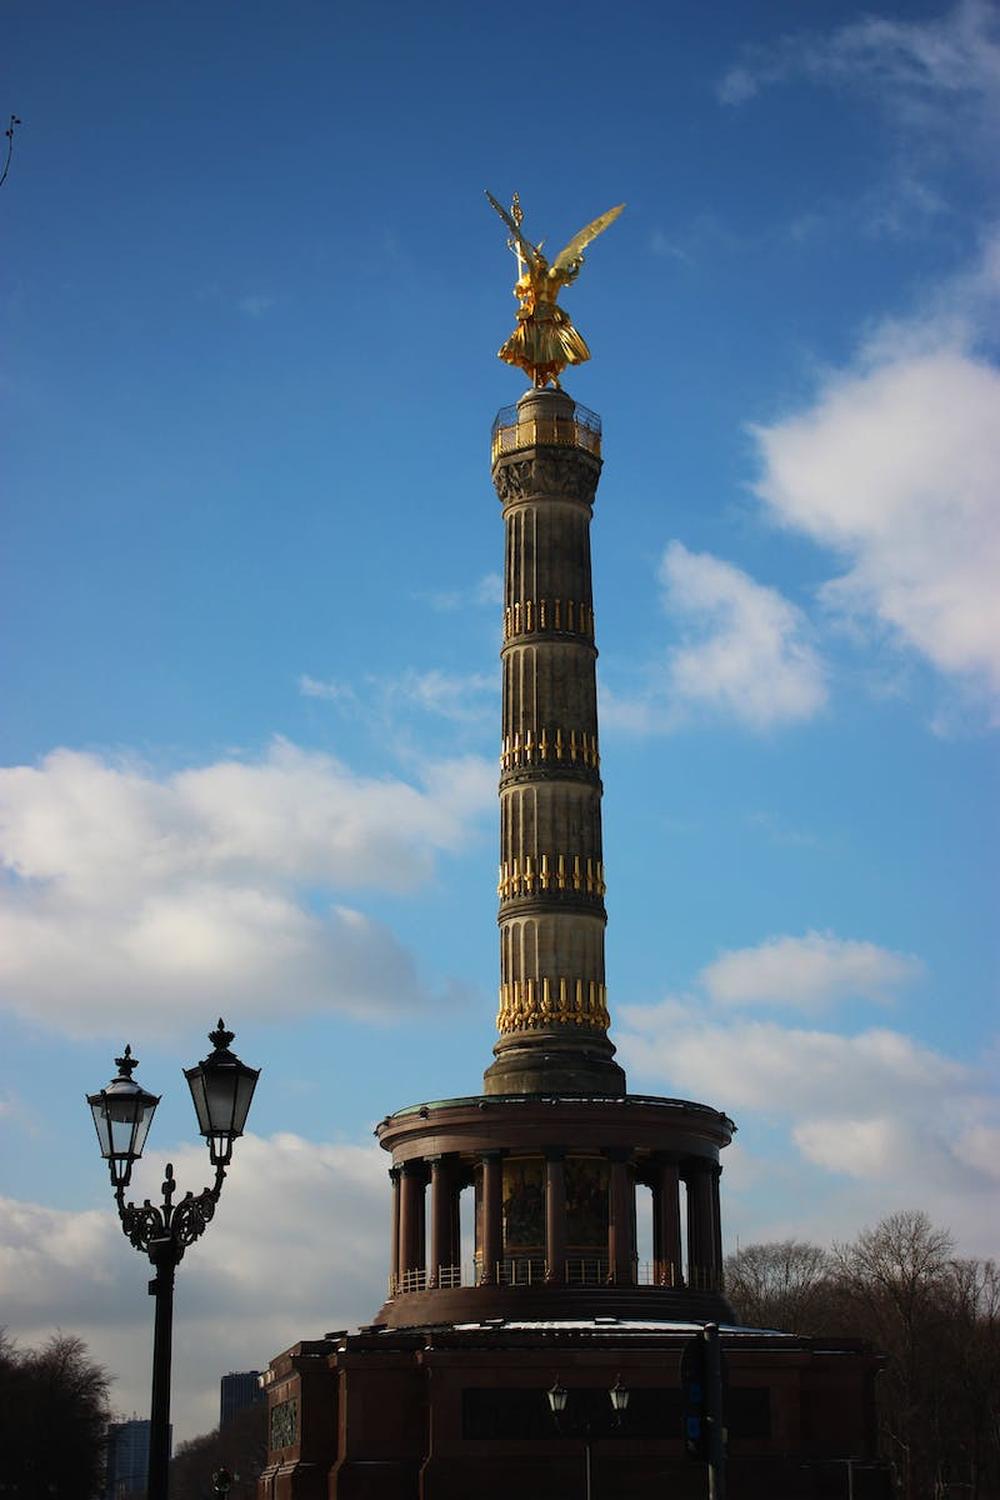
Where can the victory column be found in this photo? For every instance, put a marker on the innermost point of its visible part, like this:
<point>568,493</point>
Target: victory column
<point>455,1389</point>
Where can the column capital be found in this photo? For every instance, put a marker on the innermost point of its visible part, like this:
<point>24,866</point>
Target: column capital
<point>563,474</point>
<point>555,1153</point>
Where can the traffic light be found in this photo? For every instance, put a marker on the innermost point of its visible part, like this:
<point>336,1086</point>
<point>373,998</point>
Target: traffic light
<point>694,1384</point>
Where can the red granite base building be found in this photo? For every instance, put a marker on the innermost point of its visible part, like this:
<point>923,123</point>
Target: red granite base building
<point>444,1395</point>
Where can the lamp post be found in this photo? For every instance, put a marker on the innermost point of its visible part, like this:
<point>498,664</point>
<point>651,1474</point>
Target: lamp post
<point>558,1398</point>
<point>221,1088</point>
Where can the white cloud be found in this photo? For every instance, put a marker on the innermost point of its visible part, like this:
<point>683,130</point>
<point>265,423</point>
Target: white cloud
<point>175,892</point>
<point>763,1065</point>
<point>980,1148</point>
<point>746,652</point>
<point>328,689</point>
<point>255,305</point>
<point>898,468</point>
<point>778,831</point>
<point>257,1282</point>
<point>661,245</point>
<point>462,698</point>
<point>917,69</point>
<point>934,81</point>
<point>895,466</point>
<point>487,590</point>
<point>871,1147</point>
<point>898,1122</point>
<point>807,972</point>
<point>742,82</point>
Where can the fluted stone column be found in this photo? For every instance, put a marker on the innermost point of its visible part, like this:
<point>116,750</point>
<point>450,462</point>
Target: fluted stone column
<point>716,1226</point>
<point>442,1216</point>
<point>701,1235</point>
<point>492,1245</point>
<point>667,1248</point>
<point>621,1220</point>
<point>394,1176</point>
<point>411,1217</point>
<point>456,1216</point>
<point>553,1018</point>
<point>555,1217</point>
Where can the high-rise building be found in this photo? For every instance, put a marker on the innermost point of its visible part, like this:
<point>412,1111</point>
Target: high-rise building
<point>238,1390</point>
<point>127,1458</point>
<point>444,1394</point>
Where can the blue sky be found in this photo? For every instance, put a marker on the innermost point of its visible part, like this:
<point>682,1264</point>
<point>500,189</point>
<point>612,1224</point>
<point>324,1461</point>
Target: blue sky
<point>251,298</point>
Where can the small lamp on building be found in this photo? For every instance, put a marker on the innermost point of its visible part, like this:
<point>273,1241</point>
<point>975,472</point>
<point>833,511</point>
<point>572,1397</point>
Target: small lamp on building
<point>558,1396</point>
<point>619,1398</point>
<point>588,1429</point>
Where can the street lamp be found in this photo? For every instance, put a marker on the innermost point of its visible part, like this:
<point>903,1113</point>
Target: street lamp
<point>558,1399</point>
<point>221,1088</point>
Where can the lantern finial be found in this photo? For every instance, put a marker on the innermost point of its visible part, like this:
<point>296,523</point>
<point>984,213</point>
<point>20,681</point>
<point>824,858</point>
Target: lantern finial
<point>126,1064</point>
<point>221,1037</point>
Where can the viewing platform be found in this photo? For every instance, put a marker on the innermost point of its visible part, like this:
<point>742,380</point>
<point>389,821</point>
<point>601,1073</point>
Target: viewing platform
<point>515,429</point>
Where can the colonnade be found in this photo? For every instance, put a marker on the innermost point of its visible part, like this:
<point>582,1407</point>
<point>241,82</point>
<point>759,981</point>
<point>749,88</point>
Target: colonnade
<point>426,1235</point>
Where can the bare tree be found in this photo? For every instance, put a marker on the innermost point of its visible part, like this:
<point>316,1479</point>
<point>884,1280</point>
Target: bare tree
<point>894,1266</point>
<point>936,1319</point>
<point>966,1390</point>
<point>780,1284</point>
<point>53,1417</point>
<point>897,1276</point>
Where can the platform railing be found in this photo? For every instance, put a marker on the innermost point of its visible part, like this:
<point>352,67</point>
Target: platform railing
<point>586,1271</point>
<point>577,1271</point>
<point>652,1273</point>
<point>511,431</point>
<point>422,1280</point>
<point>522,1271</point>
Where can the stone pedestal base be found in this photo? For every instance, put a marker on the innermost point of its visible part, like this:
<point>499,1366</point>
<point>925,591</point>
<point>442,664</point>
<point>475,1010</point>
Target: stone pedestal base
<point>526,1067</point>
<point>450,1413</point>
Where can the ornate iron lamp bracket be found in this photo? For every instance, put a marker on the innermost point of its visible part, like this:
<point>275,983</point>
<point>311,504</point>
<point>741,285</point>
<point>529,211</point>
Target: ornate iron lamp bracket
<point>164,1232</point>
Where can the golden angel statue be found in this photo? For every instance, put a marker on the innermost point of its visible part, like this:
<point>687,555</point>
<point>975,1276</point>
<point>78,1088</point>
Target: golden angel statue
<point>545,341</point>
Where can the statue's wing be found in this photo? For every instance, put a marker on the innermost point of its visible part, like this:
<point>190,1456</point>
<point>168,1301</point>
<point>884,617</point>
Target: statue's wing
<point>527,248</point>
<point>580,241</point>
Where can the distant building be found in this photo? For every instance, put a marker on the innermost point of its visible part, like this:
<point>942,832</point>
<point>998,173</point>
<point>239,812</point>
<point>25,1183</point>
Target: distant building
<point>237,1391</point>
<point>128,1458</point>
